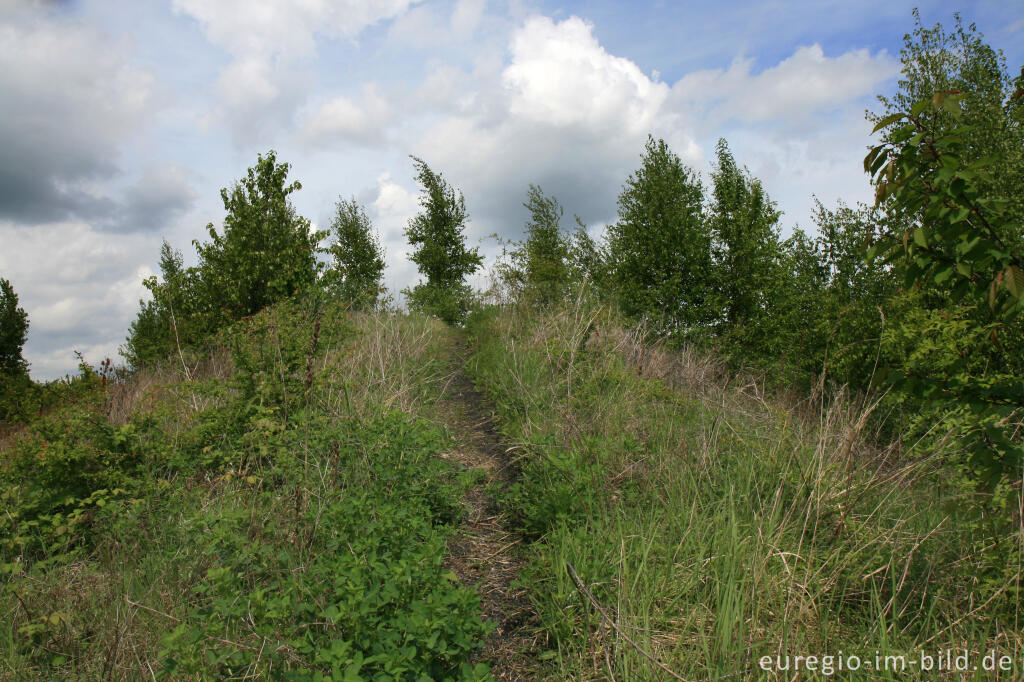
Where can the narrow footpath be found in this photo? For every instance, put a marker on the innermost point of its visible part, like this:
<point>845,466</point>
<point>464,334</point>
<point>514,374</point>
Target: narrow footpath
<point>487,554</point>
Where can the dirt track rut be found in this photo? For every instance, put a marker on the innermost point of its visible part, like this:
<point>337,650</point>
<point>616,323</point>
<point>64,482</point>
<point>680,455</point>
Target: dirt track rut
<point>487,554</point>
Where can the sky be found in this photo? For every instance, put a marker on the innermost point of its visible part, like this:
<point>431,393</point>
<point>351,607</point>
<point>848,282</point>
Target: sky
<point>121,120</point>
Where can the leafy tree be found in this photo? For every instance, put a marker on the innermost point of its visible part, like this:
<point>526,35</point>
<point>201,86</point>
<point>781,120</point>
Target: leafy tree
<point>545,249</point>
<point>987,115</point>
<point>173,318</point>
<point>266,251</point>
<point>357,272</point>
<point>538,271</point>
<point>949,164</point>
<point>438,234</point>
<point>659,250</point>
<point>856,301</point>
<point>744,228</point>
<point>13,331</point>
<point>585,258</point>
<point>797,292</point>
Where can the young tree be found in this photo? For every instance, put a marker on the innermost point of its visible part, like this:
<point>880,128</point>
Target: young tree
<point>172,318</point>
<point>987,115</point>
<point>798,338</point>
<point>13,331</point>
<point>438,236</point>
<point>266,252</point>
<point>744,228</point>
<point>659,251</point>
<point>586,259</point>
<point>357,272</point>
<point>538,271</point>
<point>950,167</point>
<point>545,249</point>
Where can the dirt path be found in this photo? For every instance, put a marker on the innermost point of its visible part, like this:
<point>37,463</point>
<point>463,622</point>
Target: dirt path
<point>487,553</point>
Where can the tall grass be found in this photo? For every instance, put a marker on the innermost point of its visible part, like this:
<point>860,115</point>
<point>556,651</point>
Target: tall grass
<point>285,514</point>
<point>712,524</point>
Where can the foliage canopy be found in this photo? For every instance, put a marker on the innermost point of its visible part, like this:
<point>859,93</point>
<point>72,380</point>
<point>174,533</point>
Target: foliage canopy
<point>438,236</point>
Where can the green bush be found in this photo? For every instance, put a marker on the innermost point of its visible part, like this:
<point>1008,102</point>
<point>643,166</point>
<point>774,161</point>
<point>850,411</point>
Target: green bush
<point>67,464</point>
<point>371,597</point>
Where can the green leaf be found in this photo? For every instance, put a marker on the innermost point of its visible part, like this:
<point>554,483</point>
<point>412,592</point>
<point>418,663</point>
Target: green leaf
<point>888,120</point>
<point>1013,280</point>
<point>919,107</point>
<point>943,274</point>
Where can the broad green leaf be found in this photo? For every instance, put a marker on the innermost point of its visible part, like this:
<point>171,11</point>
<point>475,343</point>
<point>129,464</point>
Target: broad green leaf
<point>888,120</point>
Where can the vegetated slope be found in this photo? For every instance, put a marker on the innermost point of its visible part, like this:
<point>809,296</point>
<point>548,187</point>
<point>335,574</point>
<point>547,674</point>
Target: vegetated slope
<point>278,508</point>
<point>710,526</point>
<point>287,503</point>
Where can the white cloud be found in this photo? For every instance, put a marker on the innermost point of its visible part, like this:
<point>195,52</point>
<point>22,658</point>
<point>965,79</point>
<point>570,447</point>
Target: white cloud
<point>466,17</point>
<point>798,125</point>
<point>248,81</point>
<point>572,117</point>
<point>258,90</point>
<point>797,89</point>
<point>79,288</point>
<point>278,28</point>
<point>561,76</point>
<point>390,211</point>
<point>430,25</point>
<point>562,112</point>
<point>341,118</point>
<point>442,86</point>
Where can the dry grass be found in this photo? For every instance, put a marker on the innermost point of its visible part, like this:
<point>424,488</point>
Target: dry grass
<point>394,362</point>
<point>145,388</point>
<point>729,519</point>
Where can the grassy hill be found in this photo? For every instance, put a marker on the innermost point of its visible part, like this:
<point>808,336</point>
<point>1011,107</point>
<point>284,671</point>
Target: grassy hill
<point>323,495</point>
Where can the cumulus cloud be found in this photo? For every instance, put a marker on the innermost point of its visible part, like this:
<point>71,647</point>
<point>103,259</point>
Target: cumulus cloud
<point>560,76</point>
<point>798,89</point>
<point>562,112</point>
<point>466,17</point>
<point>258,91</point>
<point>390,206</point>
<point>573,117</point>
<point>343,119</point>
<point>70,101</point>
<point>430,25</point>
<point>286,29</point>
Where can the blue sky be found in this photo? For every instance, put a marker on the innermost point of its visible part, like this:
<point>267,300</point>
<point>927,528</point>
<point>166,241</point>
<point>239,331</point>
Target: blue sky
<point>123,119</point>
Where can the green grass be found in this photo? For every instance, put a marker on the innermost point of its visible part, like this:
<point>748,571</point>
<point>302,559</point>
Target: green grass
<point>279,508</point>
<point>715,526</point>
<point>280,511</point>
